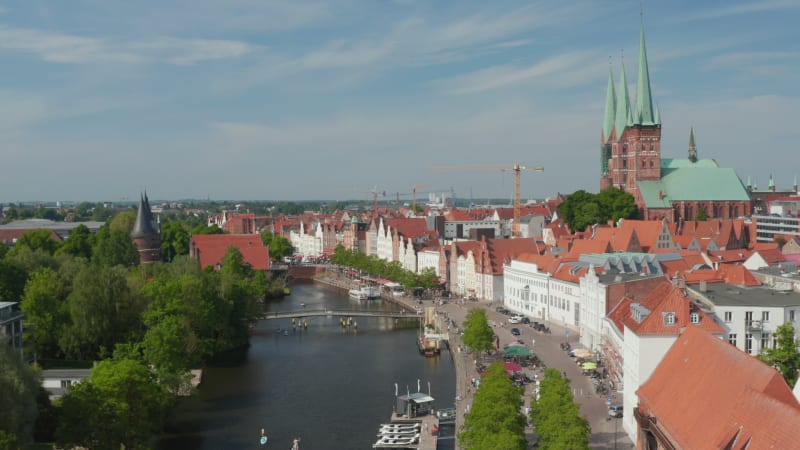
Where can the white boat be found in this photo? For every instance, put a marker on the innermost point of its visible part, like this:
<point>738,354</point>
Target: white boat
<point>392,442</point>
<point>358,294</point>
<point>400,426</point>
<point>398,433</point>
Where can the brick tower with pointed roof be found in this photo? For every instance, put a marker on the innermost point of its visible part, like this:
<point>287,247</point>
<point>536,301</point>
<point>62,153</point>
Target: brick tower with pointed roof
<point>146,234</point>
<point>675,189</point>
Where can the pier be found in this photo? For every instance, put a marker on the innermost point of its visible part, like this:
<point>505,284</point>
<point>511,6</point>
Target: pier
<point>303,313</point>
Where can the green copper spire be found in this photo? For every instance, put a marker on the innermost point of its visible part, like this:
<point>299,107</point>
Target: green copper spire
<point>623,115</point>
<point>692,146</point>
<point>644,101</point>
<point>658,114</point>
<point>771,181</point>
<point>611,106</point>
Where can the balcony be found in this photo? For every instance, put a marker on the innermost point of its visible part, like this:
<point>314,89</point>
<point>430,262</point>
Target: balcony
<point>754,325</point>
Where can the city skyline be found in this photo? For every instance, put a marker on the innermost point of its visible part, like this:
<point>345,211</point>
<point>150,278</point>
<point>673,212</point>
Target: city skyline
<point>330,100</point>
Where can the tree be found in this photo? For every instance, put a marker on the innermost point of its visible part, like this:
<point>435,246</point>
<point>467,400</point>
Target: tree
<point>559,424</point>
<point>205,229</point>
<point>582,208</point>
<point>12,280</point>
<point>44,310</point>
<point>19,385</point>
<point>279,246</point>
<point>702,215</point>
<point>494,420</point>
<point>784,356</point>
<point>119,404</point>
<point>114,247</point>
<point>174,240</point>
<point>102,310</point>
<point>478,335</point>
<point>37,240</point>
<point>79,243</point>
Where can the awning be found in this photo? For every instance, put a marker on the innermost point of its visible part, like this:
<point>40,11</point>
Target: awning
<point>513,367</point>
<point>582,353</point>
<point>518,351</point>
<point>589,365</point>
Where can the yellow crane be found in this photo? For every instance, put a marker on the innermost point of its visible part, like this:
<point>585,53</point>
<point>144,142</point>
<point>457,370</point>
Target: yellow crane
<point>517,169</point>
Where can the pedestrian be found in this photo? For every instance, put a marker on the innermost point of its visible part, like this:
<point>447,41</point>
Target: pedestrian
<point>296,444</point>
<point>263,440</point>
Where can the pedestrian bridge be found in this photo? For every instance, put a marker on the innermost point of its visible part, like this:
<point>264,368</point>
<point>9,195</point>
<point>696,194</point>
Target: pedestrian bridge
<point>303,313</point>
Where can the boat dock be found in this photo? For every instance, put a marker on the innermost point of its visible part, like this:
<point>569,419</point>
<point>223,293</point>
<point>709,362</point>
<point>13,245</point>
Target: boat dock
<point>425,426</point>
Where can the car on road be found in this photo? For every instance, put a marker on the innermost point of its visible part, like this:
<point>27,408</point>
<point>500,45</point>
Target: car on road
<point>515,331</point>
<point>615,411</point>
<point>516,318</point>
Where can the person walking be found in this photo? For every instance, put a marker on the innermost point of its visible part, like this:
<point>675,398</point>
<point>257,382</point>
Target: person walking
<point>296,444</point>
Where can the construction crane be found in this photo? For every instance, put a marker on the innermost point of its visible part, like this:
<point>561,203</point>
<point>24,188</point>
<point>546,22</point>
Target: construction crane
<point>375,193</point>
<point>516,169</point>
<point>414,196</point>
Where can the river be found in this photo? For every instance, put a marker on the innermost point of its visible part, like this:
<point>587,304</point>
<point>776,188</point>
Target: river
<point>332,388</point>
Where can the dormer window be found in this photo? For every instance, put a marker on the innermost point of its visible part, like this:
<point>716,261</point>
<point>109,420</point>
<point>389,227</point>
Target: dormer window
<point>694,318</point>
<point>669,318</point>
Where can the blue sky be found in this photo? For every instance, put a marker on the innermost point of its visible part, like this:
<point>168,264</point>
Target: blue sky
<point>256,99</point>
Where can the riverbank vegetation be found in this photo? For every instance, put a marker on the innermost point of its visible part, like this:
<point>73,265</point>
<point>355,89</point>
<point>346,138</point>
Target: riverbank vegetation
<point>381,268</point>
<point>88,303</point>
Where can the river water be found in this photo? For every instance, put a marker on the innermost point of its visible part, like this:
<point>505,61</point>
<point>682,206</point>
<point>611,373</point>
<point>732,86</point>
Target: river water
<point>332,388</point>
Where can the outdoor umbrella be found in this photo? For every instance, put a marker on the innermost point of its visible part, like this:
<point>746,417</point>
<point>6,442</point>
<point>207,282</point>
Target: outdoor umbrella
<point>589,365</point>
<point>518,351</point>
<point>513,367</point>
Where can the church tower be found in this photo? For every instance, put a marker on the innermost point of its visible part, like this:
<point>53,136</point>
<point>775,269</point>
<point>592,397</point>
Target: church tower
<point>692,146</point>
<point>635,143</point>
<point>146,234</point>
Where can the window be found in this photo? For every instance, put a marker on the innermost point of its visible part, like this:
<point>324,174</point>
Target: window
<point>728,316</point>
<point>791,315</point>
<point>694,317</point>
<point>66,384</point>
<point>748,343</point>
<point>748,318</point>
<point>765,316</point>
<point>651,163</point>
<point>764,341</point>
<point>669,318</point>
<point>732,339</point>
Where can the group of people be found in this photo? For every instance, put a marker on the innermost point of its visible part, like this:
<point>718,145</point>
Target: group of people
<point>264,439</point>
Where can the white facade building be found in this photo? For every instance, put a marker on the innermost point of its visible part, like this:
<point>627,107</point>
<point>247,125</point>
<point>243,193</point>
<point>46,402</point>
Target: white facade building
<point>428,259</point>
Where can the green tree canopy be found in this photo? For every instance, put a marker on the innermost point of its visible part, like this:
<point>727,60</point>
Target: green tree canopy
<point>174,240</point>
<point>19,385</point>
<point>119,404</point>
<point>114,247</point>
<point>45,311</point>
<point>37,240</point>
<point>784,356</point>
<point>205,229</point>
<point>279,246</point>
<point>495,420</point>
<point>478,335</point>
<point>582,209</point>
<point>79,243</point>
<point>559,424</point>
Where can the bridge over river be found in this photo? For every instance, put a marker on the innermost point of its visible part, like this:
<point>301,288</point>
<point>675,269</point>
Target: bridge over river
<point>303,313</point>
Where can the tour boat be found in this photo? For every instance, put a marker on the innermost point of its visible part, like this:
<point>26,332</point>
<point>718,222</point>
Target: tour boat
<point>358,294</point>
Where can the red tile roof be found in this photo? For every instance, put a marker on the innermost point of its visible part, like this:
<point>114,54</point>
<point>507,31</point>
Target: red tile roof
<point>211,248</point>
<point>589,247</point>
<point>705,393</point>
<point>504,250</point>
<point>666,298</point>
<point>411,227</point>
<point>11,236</point>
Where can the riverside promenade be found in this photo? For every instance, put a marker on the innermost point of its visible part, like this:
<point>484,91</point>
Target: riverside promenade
<point>605,433</point>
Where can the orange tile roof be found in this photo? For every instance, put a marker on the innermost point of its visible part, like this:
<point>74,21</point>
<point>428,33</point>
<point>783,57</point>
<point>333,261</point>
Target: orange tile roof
<point>411,227</point>
<point>503,250</point>
<point>213,247</point>
<point>647,231</point>
<point>589,247</point>
<point>684,241</point>
<point>739,275</point>
<point>666,298</point>
<point>729,256</point>
<point>771,256</point>
<point>706,392</point>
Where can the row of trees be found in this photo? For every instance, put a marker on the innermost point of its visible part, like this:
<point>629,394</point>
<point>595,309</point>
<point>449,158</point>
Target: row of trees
<point>494,420</point>
<point>381,268</point>
<point>559,423</point>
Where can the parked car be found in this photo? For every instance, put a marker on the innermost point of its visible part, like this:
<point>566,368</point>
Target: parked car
<point>515,319</point>
<point>515,331</point>
<point>525,320</point>
<point>615,411</point>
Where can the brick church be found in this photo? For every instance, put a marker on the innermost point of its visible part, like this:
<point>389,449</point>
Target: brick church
<point>673,188</point>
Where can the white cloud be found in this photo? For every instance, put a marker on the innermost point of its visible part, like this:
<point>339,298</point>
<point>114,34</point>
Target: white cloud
<point>749,7</point>
<point>499,76</point>
<point>65,48</point>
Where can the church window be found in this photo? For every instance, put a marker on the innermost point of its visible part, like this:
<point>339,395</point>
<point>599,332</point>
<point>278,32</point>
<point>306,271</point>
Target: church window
<point>644,164</point>
<point>624,163</point>
<point>651,163</point>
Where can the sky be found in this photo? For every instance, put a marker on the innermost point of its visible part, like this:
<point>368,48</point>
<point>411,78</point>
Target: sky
<point>337,100</point>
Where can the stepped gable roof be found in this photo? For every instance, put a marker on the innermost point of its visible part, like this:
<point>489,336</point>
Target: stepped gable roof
<point>144,225</point>
<point>502,251</point>
<point>590,246</point>
<point>647,231</point>
<point>213,247</point>
<point>706,393</point>
<point>667,299</point>
<point>621,239</point>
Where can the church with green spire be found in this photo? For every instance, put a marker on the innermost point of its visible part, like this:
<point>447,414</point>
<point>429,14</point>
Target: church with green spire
<point>675,189</point>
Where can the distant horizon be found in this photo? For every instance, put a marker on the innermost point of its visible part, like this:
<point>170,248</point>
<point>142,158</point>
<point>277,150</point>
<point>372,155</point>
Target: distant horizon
<point>293,99</point>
